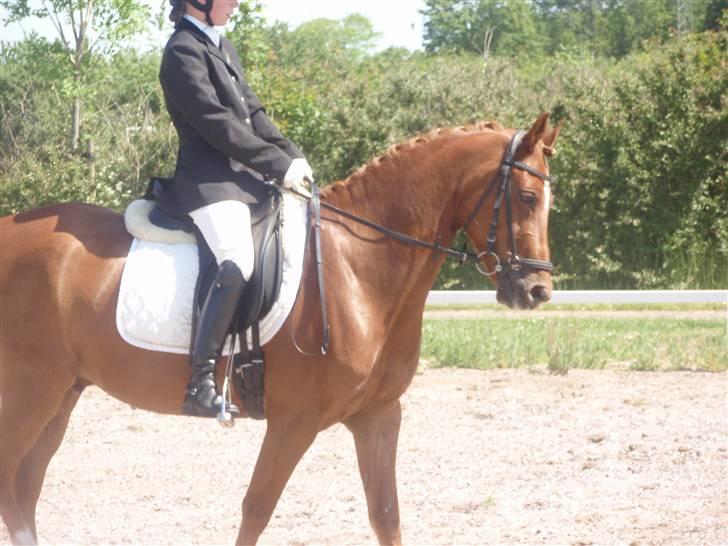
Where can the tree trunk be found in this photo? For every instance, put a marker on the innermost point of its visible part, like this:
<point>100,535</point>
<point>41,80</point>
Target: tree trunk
<point>91,159</point>
<point>75,123</point>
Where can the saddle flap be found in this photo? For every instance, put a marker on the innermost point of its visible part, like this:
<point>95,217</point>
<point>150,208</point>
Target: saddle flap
<point>264,284</point>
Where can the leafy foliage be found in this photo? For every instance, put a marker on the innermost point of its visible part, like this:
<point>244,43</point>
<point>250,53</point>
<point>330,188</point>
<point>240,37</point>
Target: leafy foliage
<point>531,28</point>
<point>107,21</point>
<point>466,26</point>
<point>642,183</point>
<point>644,160</point>
<point>124,118</point>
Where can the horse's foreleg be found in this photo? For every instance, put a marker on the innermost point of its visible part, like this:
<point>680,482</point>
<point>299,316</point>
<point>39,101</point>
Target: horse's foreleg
<point>31,474</point>
<point>376,432</point>
<point>284,444</point>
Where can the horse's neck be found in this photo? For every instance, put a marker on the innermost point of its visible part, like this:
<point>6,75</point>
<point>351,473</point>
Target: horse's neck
<point>411,194</point>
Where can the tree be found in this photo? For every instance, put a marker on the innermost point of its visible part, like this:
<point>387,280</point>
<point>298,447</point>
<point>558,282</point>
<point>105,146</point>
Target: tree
<point>506,26</point>
<point>325,43</point>
<point>249,37</point>
<point>83,26</point>
<point>714,10</point>
<point>522,28</point>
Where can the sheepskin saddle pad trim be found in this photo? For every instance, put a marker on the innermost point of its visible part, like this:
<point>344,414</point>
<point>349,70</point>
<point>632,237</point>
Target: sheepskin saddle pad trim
<point>136,220</point>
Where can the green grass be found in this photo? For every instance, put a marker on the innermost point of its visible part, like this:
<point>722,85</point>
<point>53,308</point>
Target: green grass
<point>563,343</point>
<point>588,307</point>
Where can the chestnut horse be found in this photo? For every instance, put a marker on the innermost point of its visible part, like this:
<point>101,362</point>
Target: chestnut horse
<point>59,283</point>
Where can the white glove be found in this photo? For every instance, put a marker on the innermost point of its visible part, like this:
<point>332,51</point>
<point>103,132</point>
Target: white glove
<point>296,173</point>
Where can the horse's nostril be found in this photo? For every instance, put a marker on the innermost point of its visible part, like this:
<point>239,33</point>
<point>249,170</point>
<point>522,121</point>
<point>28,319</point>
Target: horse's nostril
<point>540,293</point>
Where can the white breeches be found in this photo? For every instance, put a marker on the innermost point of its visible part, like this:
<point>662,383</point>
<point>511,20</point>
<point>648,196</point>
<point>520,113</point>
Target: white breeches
<point>226,228</point>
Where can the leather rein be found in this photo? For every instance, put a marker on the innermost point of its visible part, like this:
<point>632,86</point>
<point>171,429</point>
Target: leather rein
<point>503,182</point>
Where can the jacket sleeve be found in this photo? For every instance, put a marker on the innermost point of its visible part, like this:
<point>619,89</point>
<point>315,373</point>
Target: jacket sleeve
<point>186,82</point>
<point>265,127</point>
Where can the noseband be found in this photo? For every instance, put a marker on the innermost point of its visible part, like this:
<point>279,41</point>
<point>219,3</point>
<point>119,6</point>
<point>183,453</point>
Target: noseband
<point>503,181</point>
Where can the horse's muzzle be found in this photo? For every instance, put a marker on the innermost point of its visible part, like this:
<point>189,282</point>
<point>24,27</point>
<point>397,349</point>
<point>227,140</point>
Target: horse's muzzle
<point>522,290</point>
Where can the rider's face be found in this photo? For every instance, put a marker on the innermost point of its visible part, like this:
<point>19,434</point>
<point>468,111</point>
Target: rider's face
<point>222,10</point>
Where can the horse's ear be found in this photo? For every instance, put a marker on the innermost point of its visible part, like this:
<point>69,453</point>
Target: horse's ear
<point>549,140</point>
<point>535,134</point>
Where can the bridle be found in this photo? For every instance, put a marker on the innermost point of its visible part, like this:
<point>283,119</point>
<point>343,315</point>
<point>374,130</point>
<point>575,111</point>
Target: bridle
<point>514,262</point>
<point>502,181</point>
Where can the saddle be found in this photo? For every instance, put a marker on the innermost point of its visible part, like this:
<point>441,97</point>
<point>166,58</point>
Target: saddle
<point>260,294</point>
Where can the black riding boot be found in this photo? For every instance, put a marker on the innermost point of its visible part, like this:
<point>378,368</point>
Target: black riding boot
<point>201,396</point>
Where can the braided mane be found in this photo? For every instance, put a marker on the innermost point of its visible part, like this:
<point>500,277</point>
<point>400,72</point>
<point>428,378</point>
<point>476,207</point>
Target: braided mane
<point>396,150</point>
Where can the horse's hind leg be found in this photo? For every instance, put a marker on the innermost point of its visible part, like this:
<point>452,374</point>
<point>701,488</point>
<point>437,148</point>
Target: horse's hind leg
<point>376,432</point>
<point>29,480</point>
<point>31,397</point>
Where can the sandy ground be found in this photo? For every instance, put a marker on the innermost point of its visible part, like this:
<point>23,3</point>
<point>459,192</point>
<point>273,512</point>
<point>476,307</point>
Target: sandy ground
<point>485,457</point>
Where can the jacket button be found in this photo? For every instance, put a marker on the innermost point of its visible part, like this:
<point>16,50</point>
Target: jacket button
<point>247,121</point>
<point>242,99</point>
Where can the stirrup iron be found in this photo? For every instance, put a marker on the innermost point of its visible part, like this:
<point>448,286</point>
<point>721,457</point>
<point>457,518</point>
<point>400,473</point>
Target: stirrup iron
<point>225,418</point>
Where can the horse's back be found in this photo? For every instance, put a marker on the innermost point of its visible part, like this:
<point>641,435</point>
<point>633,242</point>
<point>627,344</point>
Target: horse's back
<point>90,225</point>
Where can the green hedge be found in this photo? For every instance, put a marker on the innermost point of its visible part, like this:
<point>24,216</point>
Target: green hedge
<point>641,194</point>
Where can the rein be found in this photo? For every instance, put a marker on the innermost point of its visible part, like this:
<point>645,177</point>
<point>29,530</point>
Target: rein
<point>461,255</point>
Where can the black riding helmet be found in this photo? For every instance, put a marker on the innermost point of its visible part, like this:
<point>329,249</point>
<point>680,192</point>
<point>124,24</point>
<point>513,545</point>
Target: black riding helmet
<point>178,9</point>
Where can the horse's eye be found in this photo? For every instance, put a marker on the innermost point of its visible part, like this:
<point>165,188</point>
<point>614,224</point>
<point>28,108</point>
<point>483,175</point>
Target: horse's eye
<point>527,196</point>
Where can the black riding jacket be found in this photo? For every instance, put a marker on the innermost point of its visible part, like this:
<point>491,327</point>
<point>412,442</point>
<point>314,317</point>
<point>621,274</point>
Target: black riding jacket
<point>227,144</point>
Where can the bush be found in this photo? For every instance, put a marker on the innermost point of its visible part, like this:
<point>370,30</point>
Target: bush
<point>641,194</point>
<point>641,197</point>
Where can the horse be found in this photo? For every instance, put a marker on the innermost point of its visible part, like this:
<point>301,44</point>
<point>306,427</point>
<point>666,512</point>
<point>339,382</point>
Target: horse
<point>59,283</point>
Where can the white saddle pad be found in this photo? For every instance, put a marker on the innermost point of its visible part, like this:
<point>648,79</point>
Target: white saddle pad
<point>157,287</point>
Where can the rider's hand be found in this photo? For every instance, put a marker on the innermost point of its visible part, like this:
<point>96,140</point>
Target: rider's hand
<point>297,172</point>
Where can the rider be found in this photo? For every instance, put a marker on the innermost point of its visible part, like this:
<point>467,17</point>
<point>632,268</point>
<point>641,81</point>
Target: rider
<point>228,148</point>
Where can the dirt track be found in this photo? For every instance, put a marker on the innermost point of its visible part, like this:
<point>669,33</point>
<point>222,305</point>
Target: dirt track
<point>506,457</point>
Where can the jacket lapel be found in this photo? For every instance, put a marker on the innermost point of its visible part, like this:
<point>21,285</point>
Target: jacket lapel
<point>215,51</point>
<point>232,66</point>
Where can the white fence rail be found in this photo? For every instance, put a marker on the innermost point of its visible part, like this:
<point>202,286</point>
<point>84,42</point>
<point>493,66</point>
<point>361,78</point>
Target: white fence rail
<point>469,297</point>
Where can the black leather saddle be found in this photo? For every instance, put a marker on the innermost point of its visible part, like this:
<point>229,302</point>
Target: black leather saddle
<point>265,283</point>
